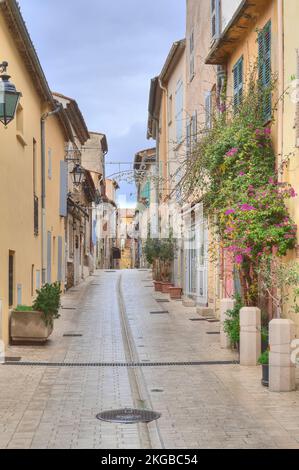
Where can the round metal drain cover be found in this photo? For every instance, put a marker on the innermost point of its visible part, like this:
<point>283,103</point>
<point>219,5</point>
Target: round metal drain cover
<point>128,416</point>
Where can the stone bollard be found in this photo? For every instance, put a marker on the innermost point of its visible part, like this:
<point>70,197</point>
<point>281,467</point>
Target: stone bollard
<point>250,336</point>
<point>225,305</point>
<point>282,372</point>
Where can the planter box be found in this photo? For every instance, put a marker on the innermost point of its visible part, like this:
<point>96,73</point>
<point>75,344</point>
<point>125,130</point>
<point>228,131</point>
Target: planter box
<point>29,327</point>
<point>165,287</point>
<point>175,293</point>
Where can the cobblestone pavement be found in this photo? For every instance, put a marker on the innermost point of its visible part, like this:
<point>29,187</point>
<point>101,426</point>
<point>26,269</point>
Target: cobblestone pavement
<point>203,406</point>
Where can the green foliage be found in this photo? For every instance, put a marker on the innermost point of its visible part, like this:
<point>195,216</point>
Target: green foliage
<point>23,308</point>
<point>232,324</point>
<point>233,167</point>
<point>48,302</point>
<point>264,358</point>
<point>152,249</point>
<point>280,280</point>
<point>162,249</point>
<point>265,334</point>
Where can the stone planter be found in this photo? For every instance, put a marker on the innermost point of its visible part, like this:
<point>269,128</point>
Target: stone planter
<point>175,293</point>
<point>165,287</point>
<point>29,327</point>
<point>265,376</point>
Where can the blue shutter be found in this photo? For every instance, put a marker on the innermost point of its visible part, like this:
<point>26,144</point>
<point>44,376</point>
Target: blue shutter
<point>265,70</point>
<point>238,83</point>
<point>59,272</point>
<point>49,258</point>
<point>63,188</point>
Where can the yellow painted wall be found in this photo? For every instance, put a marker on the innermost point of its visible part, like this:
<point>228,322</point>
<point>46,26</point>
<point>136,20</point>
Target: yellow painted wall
<point>16,189</point>
<point>291,174</point>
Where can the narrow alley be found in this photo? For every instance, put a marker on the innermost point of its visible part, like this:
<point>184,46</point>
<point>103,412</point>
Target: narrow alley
<point>116,345</point>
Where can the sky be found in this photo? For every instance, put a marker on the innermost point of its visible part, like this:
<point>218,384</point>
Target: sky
<point>103,53</point>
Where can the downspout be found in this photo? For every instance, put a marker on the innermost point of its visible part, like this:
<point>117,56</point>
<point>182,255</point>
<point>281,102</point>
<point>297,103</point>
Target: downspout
<point>43,189</point>
<point>281,84</point>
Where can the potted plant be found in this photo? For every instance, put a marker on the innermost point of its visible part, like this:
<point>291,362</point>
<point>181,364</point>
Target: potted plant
<point>35,324</point>
<point>264,362</point>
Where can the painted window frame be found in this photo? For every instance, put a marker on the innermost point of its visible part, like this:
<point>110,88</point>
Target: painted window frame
<point>265,65</point>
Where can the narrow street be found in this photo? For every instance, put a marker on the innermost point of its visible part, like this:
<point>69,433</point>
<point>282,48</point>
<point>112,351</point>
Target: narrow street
<point>51,396</point>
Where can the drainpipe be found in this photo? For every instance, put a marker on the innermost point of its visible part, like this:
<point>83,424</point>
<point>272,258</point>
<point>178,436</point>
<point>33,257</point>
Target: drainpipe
<point>43,189</point>
<point>157,176</point>
<point>281,82</point>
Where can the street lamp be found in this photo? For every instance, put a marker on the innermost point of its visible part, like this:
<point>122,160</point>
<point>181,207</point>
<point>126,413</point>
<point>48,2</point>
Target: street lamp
<point>9,97</point>
<point>78,174</point>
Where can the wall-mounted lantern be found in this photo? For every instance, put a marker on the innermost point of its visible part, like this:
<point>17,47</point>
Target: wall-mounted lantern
<point>9,96</point>
<point>78,174</point>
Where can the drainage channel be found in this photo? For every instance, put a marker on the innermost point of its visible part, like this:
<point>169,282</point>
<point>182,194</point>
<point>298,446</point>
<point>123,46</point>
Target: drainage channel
<point>130,365</point>
<point>137,384</point>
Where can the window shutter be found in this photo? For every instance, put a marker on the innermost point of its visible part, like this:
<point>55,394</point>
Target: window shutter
<point>63,188</point>
<point>59,271</point>
<point>179,111</point>
<point>208,109</point>
<point>264,45</point>
<point>238,83</point>
<point>188,137</point>
<point>194,127</point>
<point>215,19</point>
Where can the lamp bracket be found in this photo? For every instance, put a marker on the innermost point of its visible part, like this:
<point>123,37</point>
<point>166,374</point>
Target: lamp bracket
<point>3,67</point>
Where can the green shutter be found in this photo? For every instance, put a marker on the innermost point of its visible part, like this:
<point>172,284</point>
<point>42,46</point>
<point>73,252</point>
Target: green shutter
<point>264,44</point>
<point>238,83</point>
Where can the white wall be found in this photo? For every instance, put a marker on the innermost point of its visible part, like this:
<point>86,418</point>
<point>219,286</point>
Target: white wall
<point>228,8</point>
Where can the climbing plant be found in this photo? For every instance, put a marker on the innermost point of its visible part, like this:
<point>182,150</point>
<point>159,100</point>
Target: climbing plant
<point>234,169</point>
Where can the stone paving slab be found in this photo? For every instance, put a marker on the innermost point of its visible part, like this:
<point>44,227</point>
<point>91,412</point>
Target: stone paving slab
<point>209,407</point>
<point>56,407</point>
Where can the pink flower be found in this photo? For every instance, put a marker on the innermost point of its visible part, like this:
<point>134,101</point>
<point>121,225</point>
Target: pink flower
<point>241,173</point>
<point>267,131</point>
<point>239,259</point>
<point>232,152</point>
<point>247,208</point>
<point>230,211</point>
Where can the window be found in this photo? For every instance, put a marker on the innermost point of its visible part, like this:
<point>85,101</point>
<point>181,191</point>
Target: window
<point>179,111</point>
<point>11,263</point>
<point>191,134</point>
<point>192,56</point>
<point>215,19</point>
<point>208,110</point>
<point>238,83</point>
<point>170,110</point>
<point>264,45</point>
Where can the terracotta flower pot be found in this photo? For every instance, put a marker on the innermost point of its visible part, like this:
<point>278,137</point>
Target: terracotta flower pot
<point>158,286</point>
<point>165,287</point>
<point>175,292</point>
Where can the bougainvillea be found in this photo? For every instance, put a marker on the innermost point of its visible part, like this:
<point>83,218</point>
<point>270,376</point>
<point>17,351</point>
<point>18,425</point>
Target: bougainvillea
<point>234,166</point>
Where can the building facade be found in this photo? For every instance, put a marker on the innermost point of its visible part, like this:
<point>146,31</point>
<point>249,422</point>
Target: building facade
<point>32,235</point>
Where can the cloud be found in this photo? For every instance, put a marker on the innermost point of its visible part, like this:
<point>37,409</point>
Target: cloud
<point>103,53</point>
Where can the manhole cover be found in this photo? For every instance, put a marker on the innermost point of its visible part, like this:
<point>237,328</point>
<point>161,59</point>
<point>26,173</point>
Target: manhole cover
<point>68,308</point>
<point>128,416</point>
<point>157,390</point>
